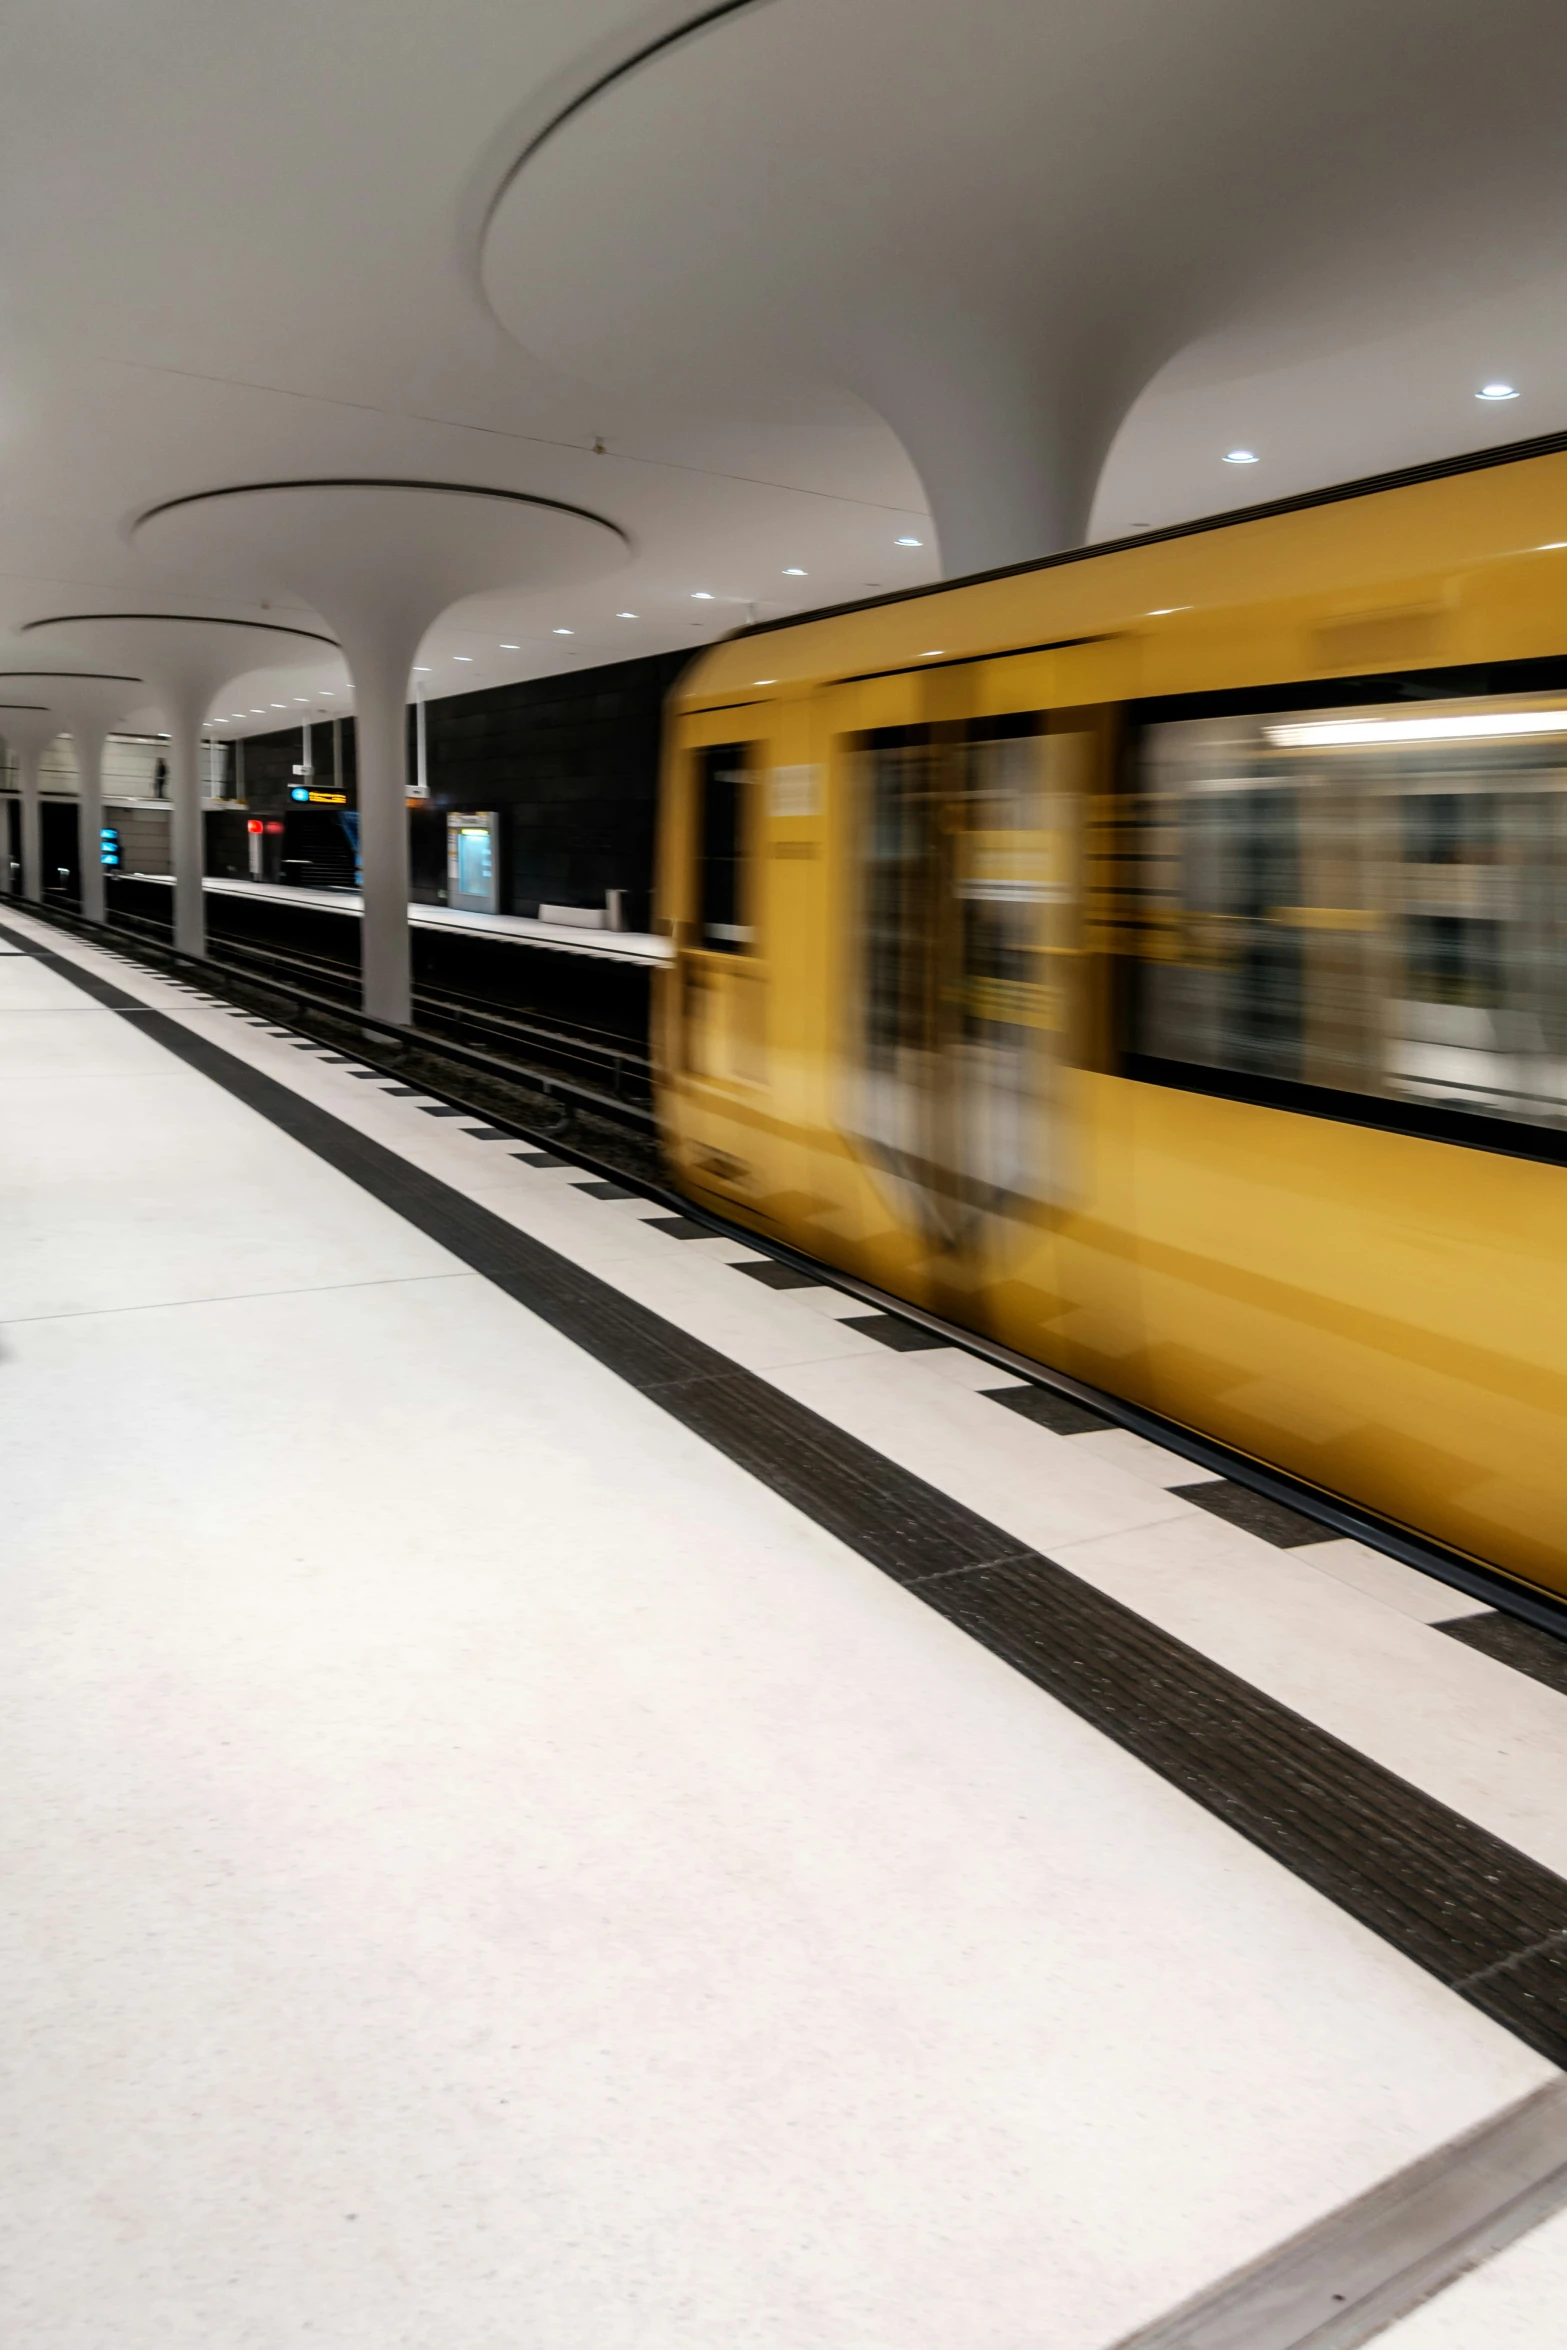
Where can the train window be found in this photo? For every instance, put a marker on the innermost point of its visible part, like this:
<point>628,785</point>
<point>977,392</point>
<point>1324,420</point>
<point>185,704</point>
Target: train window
<point>965,882</point>
<point>901,773</point>
<point>1371,898</point>
<point>724,789</point>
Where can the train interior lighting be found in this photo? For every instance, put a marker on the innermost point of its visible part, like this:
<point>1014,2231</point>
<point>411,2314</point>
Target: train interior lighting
<point>1463,726</point>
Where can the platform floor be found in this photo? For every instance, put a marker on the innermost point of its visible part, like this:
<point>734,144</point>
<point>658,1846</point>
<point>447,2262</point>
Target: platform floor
<point>485,1866</point>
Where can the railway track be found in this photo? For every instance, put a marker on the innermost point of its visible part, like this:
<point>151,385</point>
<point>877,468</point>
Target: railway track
<point>562,1082</point>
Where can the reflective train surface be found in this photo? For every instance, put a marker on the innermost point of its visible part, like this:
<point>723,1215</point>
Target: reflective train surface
<point>1156,959</point>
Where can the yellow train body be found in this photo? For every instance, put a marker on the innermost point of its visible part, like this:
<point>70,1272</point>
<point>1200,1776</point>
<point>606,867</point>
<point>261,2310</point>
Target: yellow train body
<point>1376,1307</point>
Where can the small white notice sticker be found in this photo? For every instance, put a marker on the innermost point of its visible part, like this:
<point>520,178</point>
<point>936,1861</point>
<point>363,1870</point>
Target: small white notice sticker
<point>796,791</point>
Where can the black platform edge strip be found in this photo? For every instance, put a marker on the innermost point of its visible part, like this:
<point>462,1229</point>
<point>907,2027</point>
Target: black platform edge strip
<point>1486,1920</point>
<point>1475,1577</point>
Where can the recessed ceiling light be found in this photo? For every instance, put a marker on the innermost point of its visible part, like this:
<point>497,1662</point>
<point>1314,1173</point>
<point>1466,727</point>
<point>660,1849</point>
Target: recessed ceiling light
<point>511,648</point>
<point>236,713</point>
<point>794,571</point>
<point>1163,611</point>
<point>301,697</point>
<point>258,713</point>
<point>1240,456</point>
<point>565,632</point>
<point>328,694</point>
<point>1497,391</point>
<point>701,595</point>
<point>421,669</point>
<point>1551,547</point>
<point>280,705</point>
<point>934,654</point>
<point>764,681</point>
<point>908,542</point>
<point>628,615</point>
<point>462,657</point>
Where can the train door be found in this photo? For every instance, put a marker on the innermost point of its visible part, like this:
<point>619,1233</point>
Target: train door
<point>723,979</point>
<point>967,848</point>
<point>712,1029</point>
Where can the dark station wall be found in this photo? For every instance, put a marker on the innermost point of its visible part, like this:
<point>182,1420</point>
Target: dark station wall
<point>267,762</point>
<point>570,763</point>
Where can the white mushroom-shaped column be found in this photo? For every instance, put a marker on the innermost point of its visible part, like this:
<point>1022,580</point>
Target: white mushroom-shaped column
<point>379,560</point>
<point>994,224</point>
<point>85,704</point>
<point>185,659</point>
<point>29,727</point>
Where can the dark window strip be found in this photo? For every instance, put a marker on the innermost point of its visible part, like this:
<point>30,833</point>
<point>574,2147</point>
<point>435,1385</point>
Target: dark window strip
<point>1466,680</point>
<point>1512,1138</point>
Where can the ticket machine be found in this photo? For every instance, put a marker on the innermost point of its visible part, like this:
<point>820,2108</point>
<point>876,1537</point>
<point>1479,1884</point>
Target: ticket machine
<point>473,862</point>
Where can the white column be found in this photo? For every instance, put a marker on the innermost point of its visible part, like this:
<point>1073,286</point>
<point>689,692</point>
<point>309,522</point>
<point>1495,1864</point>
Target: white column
<point>380,674</point>
<point>28,763</point>
<point>185,830</point>
<point>91,751</point>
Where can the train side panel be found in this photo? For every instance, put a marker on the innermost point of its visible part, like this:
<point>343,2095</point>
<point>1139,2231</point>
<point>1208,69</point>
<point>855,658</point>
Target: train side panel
<point>1378,1311</point>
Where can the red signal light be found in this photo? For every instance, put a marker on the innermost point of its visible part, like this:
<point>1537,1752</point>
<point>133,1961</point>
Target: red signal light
<point>254,825</point>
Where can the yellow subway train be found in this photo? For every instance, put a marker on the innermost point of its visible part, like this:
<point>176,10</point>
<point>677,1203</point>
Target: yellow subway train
<point>1155,958</point>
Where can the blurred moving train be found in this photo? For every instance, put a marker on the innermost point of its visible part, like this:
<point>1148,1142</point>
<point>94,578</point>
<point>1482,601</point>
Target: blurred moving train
<point>1156,959</point>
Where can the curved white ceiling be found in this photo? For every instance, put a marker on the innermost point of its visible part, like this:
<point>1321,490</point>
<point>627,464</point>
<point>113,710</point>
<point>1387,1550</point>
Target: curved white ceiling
<point>244,246</point>
<point>997,223</point>
<point>243,249</point>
